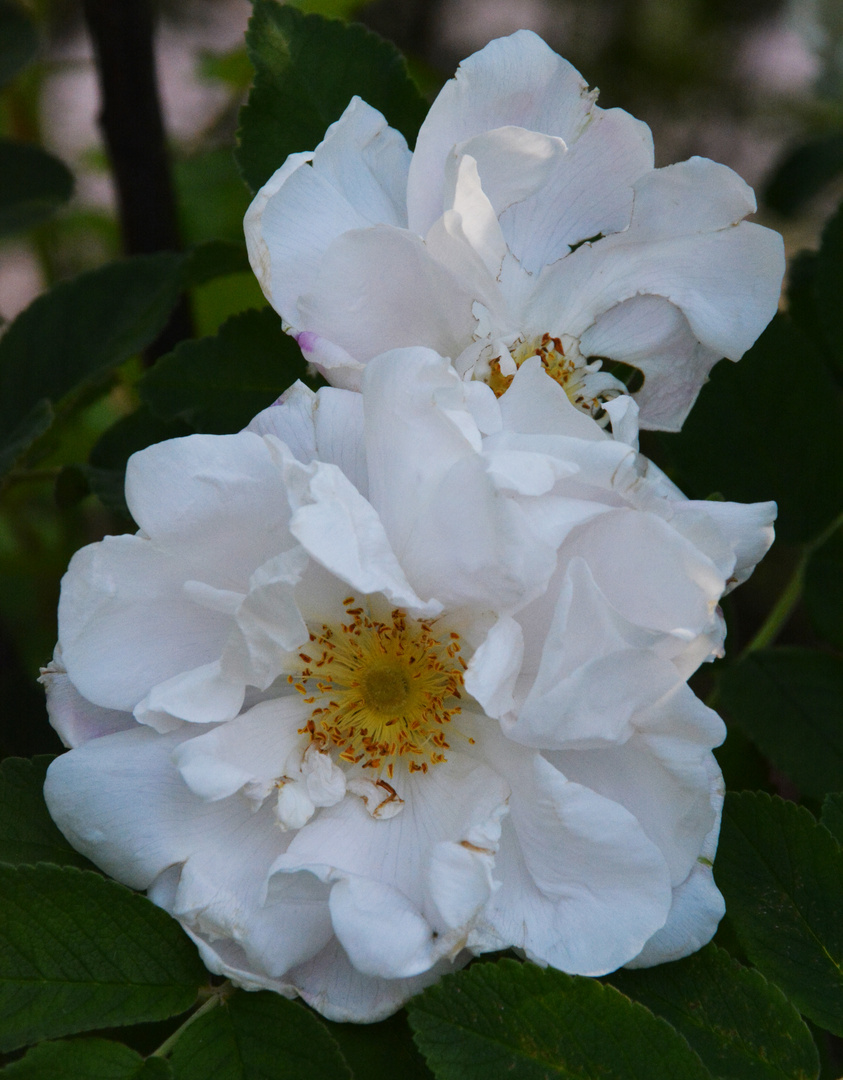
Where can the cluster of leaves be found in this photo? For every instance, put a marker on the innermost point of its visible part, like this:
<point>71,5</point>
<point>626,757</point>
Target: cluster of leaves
<point>82,954</point>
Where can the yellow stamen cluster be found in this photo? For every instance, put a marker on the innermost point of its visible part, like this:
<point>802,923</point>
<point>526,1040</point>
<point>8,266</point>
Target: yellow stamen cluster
<point>570,372</point>
<point>382,690</point>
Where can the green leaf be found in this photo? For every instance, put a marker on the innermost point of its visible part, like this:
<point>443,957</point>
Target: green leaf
<point>85,1059</point>
<point>27,832</point>
<point>832,815</point>
<point>78,952</point>
<point>213,259</point>
<point>803,173</point>
<point>788,701</point>
<point>217,384</point>
<point>828,286</point>
<point>781,873</point>
<point>742,1026</point>
<point>18,40</point>
<point>497,1021</point>
<point>76,332</point>
<point>382,1051</point>
<point>746,436</point>
<point>33,185</point>
<point>258,1037</point>
<point>823,589</point>
<point>307,70</point>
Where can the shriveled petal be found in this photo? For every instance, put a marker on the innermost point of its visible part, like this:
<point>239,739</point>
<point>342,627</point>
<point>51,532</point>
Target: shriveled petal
<point>582,887</point>
<point>515,81</point>
<point>355,177</point>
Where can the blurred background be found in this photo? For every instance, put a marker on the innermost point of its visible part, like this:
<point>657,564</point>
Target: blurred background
<point>758,86</point>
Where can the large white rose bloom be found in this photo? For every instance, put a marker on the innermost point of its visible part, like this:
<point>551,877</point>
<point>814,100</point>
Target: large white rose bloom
<point>395,677</point>
<point>527,222</point>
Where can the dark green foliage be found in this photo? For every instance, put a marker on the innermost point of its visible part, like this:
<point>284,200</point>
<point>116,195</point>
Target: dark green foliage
<point>307,69</point>
<point>86,1059</point>
<point>745,436</point>
<point>790,702</point>
<point>258,1037</point>
<point>741,1025</point>
<point>27,832</point>
<point>33,185</point>
<point>78,953</point>
<point>782,876</point>
<point>497,1021</point>
<point>217,384</point>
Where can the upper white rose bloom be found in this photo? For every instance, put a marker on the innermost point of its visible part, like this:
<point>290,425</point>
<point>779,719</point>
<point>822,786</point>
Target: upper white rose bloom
<point>527,222</point>
<point>395,677</point>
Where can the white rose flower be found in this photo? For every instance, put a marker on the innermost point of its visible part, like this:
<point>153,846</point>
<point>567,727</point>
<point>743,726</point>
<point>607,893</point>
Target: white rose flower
<point>527,222</point>
<point>396,677</point>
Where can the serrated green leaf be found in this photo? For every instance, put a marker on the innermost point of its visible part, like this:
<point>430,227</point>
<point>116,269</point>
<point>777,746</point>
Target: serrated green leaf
<point>788,700</point>
<point>781,873</point>
<point>33,185</point>
<point>85,1059</point>
<point>27,832</point>
<point>77,332</point>
<point>381,1051</point>
<point>832,815</point>
<point>307,69</point>
<point>497,1021</point>
<point>18,40</point>
<point>746,435</point>
<point>823,589</point>
<point>258,1037</point>
<point>742,1026</point>
<point>78,952</point>
<point>217,384</point>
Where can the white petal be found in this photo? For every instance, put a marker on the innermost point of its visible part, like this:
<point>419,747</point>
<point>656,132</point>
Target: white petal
<point>225,486</point>
<point>335,988</point>
<point>268,622</point>
<point>126,625</point>
<point>589,192</point>
<point>582,887</point>
<point>203,695</point>
<point>74,718</point>
<point>697,905</point>
<point>747,527</point>
<point>250,751</point>
<point>342,531</point>
<point>495,666</point>
<point>359,300</point>
<point>356,178</point>
<point>516,81</point>
<point>662,775</point>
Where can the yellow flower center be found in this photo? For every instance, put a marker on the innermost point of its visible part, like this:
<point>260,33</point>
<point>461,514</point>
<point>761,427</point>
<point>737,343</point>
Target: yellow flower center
<point>382,691</point>
<point>570,371</point>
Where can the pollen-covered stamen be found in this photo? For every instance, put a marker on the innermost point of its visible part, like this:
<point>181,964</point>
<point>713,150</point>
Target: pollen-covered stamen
<point>382,691</point>
<point>586,385</point>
